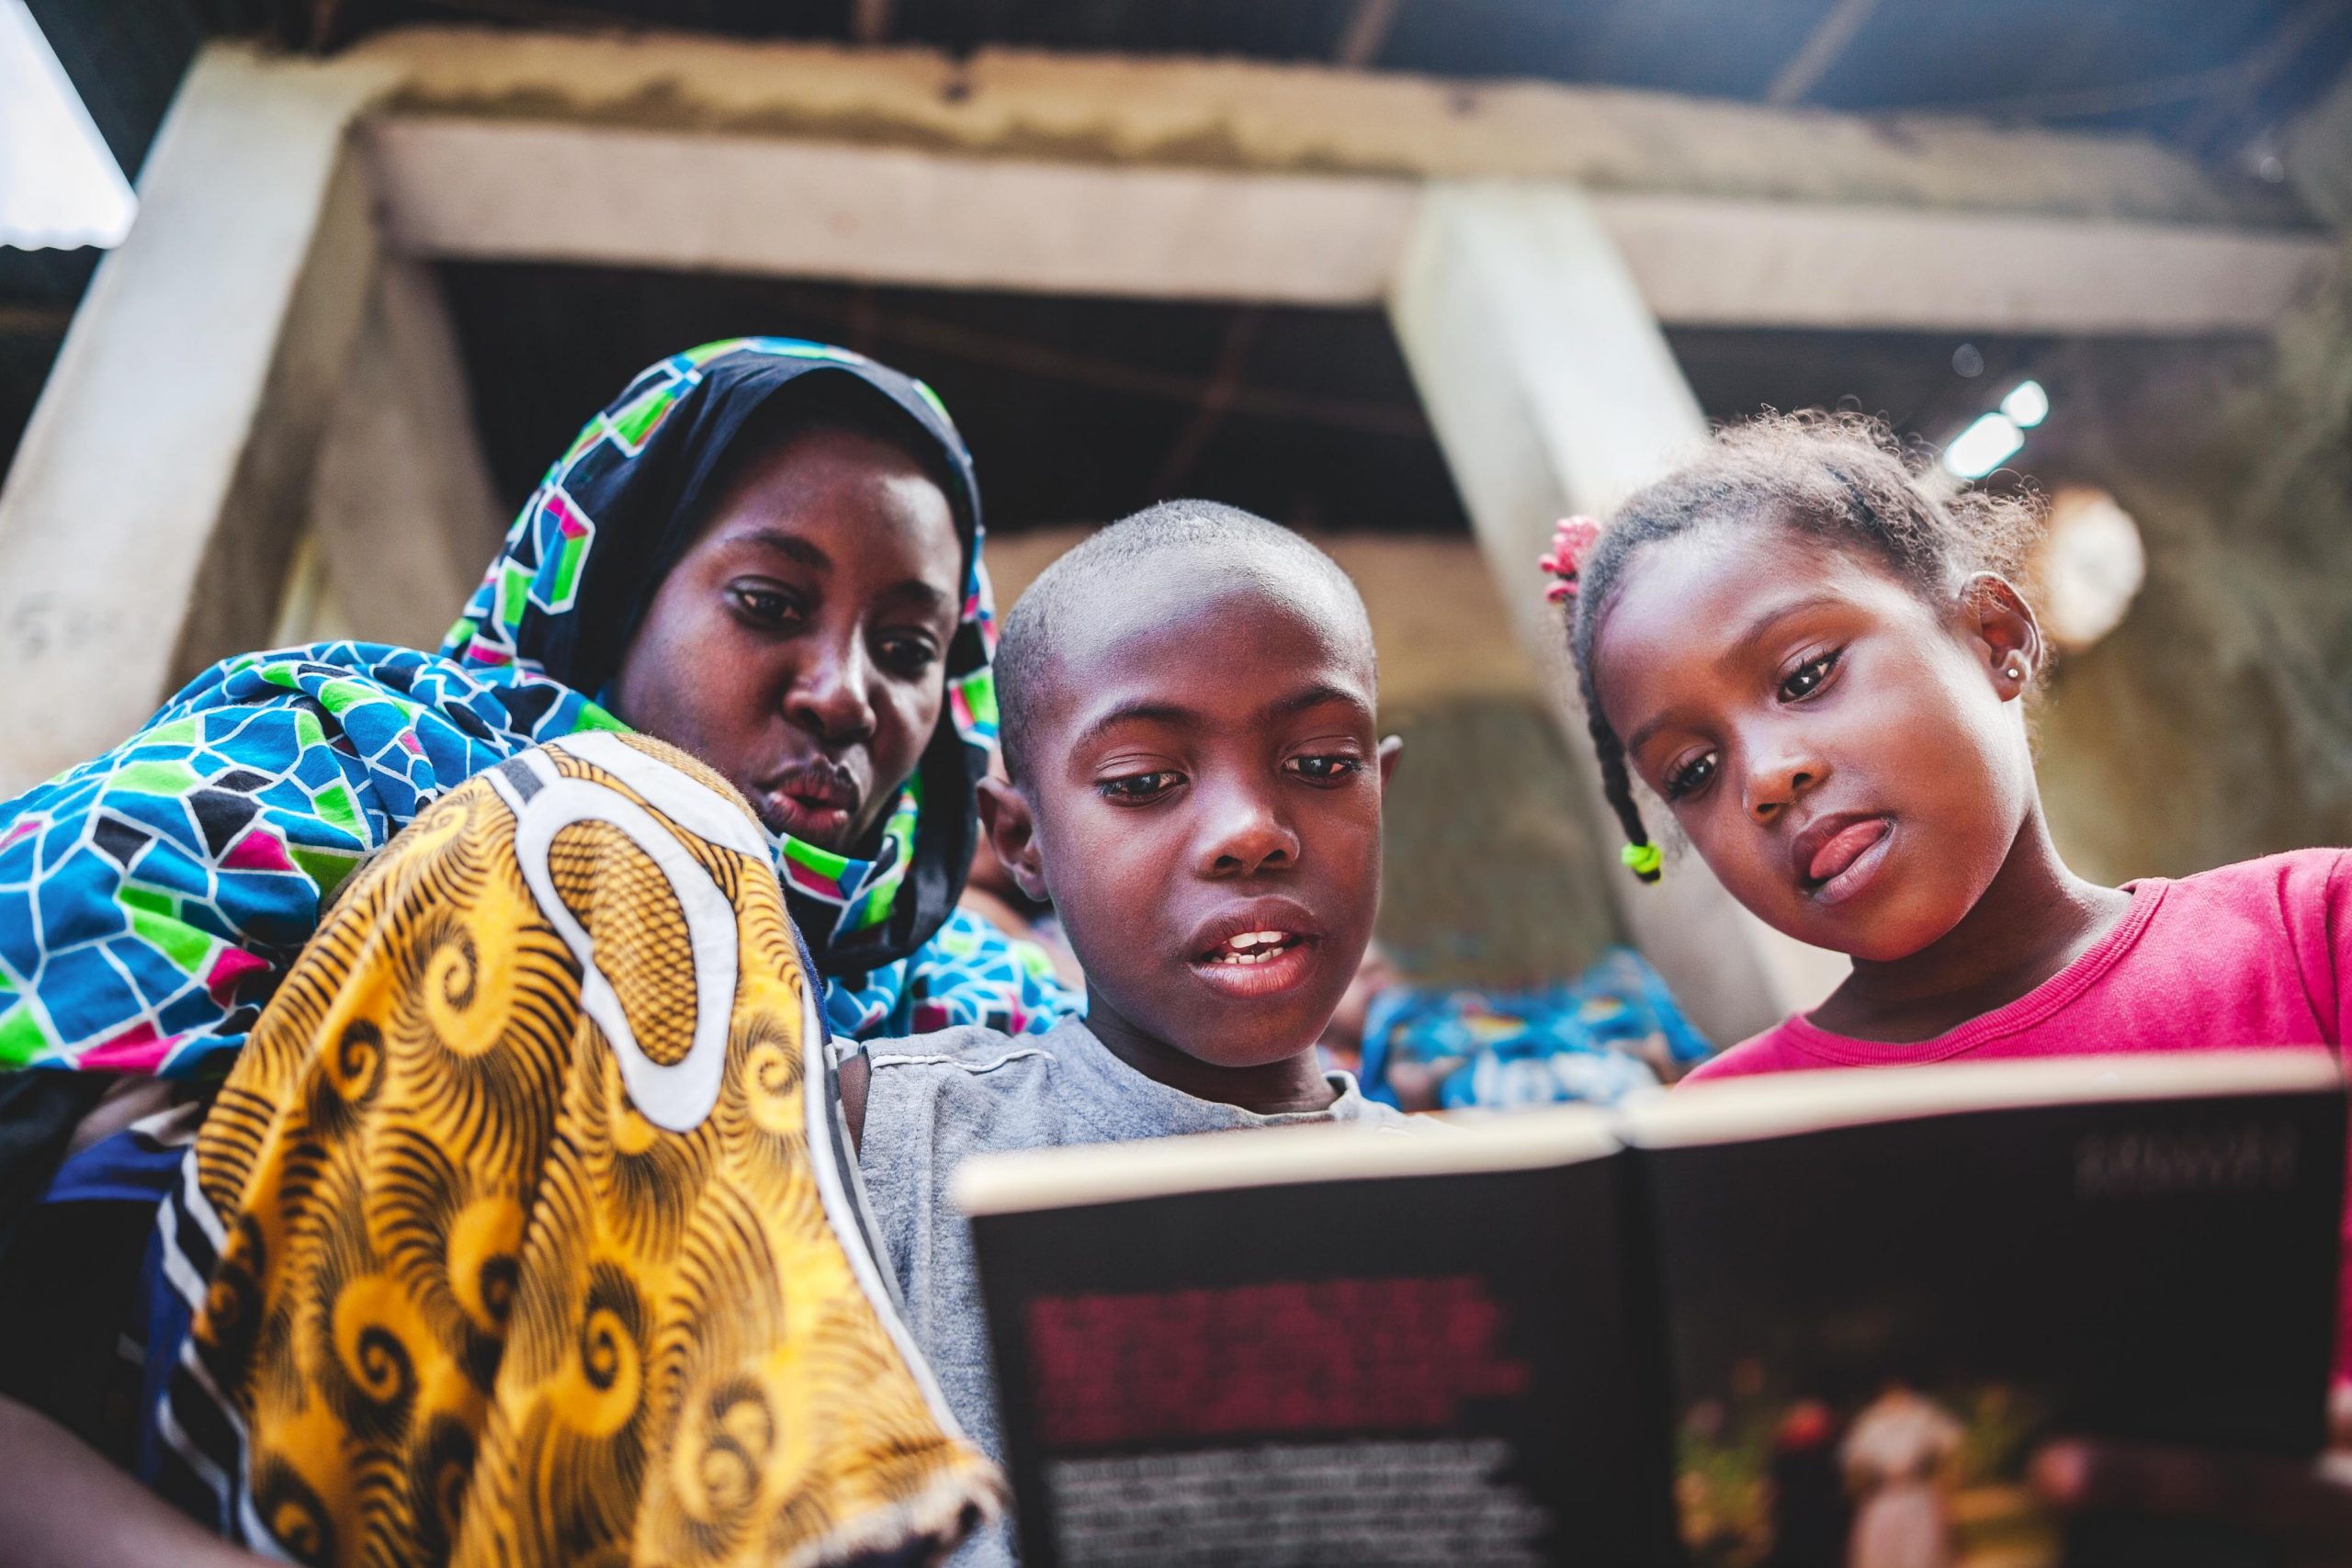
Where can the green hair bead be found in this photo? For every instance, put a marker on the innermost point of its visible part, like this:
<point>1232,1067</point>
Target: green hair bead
<point>1644,861</point>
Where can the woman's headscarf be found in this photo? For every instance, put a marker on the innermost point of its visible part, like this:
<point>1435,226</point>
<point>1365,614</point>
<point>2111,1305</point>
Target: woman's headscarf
<point>150,899</point>
<point>616,511</point>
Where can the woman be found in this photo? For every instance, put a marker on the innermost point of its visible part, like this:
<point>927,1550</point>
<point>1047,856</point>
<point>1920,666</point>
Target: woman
<point>766,552</point>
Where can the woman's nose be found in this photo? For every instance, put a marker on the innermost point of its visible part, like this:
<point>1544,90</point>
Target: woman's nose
<point>828,694</point>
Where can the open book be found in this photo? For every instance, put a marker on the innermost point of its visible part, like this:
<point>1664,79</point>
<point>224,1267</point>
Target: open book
<point>1820,1319</point>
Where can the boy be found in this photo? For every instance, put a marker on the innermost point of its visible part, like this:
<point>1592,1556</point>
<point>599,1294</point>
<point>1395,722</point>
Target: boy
<point>1187,705</point>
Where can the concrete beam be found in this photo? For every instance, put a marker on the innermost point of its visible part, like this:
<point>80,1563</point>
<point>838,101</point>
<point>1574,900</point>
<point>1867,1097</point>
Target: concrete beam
<point>1703,262</point>
<point>616,197</point>
<point>1233,115</point>
<point>503,189</point>
<point>1552,391</point>
<point>157,496</point>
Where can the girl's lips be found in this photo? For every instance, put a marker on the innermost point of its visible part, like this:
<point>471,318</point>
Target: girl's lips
<point>1853,857</point>
<point>1841,848</point>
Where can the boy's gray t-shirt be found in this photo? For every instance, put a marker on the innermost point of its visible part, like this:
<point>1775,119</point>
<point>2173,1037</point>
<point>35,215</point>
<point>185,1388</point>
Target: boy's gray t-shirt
<point>935,1099</point>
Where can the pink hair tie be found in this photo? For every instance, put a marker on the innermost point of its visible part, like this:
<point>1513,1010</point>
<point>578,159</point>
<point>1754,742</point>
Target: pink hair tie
<point>1572,542</point>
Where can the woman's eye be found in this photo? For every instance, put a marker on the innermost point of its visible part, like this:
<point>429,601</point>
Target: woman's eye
<point>1328,769</point>
<point>909,658</point>
<point>1134,789</point>
<point>1809,676</point>
<point>1685,777</point>
<point>768,605</point>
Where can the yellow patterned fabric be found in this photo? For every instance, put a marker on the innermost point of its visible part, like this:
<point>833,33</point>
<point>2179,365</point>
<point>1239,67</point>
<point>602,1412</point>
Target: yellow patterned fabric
<point>521,1232</point>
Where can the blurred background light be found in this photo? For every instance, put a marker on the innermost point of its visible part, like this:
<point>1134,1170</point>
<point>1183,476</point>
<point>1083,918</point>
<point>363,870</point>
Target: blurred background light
<point>1983,447</point>
<point>2027,405</point>
<point>59,185</point>
<point>2091,564</point>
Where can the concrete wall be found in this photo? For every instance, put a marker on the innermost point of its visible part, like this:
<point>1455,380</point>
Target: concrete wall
<point>2215,723</point>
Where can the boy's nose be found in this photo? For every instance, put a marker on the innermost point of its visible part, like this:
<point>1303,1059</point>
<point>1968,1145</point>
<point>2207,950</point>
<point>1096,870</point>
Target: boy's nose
<point>1247,836</point>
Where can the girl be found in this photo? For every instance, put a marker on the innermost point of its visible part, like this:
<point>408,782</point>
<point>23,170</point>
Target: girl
<point>766,552</point>
<point>1821,666</point>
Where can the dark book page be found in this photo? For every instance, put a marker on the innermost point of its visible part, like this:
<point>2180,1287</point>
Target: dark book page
<point>1420,1370</point>
<point>1871,1328</point>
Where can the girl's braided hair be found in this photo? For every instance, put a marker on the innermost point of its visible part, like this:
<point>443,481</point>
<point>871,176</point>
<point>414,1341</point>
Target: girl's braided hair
<point>1841,476</point>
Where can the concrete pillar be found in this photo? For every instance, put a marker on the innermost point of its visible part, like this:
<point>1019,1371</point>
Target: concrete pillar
<point>152,508</point>
<point>1552,390</point>
<point>402,505</point>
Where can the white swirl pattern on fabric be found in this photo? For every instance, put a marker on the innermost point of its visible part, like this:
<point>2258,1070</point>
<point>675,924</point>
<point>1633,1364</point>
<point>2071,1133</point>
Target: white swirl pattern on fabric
<point>680,1096</point>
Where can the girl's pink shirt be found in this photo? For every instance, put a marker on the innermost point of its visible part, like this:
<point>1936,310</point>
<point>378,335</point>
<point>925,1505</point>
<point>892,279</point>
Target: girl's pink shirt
<point>2258,953</point>
<point>2254,955</point>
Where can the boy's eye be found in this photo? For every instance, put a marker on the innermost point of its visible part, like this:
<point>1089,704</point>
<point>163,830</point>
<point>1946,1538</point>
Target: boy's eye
<point>1136,789</point>
<point>1325,768</point>
<point>1685,777</point>
<point>1808,676</point>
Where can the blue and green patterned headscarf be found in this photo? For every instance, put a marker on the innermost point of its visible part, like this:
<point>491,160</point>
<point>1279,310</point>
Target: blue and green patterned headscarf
<point>619,507</point>
<point>150,898</point>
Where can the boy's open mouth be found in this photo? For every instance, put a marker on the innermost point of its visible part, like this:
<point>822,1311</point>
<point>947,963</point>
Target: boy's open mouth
<point>1255,952</point>
<point>1252,947</point>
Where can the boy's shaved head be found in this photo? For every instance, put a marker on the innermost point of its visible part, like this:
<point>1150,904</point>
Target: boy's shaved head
<point>1187,701</point>
<point>1148,554</point>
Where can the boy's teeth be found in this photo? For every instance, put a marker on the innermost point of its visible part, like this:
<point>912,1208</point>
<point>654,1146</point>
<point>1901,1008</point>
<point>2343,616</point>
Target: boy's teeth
<point>1253,947</point>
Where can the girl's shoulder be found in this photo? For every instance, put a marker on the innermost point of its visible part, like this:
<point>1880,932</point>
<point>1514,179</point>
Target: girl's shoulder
<point>2297,874</point>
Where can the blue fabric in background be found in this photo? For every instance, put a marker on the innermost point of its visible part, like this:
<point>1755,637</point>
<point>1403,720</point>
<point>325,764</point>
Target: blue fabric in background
<point>1597,1040</point>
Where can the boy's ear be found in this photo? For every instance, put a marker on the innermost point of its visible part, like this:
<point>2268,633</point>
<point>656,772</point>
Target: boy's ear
<point>1995,616</point>
<point>1011,831</point>
<point>1391,748</point>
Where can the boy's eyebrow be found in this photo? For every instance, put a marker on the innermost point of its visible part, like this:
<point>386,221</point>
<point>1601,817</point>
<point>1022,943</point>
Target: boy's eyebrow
<point>1147,710</point>
<point>1314,696</point>
<point>1135,710</point>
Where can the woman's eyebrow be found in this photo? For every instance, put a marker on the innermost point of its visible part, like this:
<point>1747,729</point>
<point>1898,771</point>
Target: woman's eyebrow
<point>923,595</point>
<point>790,546</point>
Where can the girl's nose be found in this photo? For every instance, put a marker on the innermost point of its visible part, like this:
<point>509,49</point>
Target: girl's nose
<point>1774,787</point>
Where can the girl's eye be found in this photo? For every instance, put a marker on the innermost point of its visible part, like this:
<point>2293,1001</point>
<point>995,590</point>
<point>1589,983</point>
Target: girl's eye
<point>1324,768</point>
<point>1809,676</point>
<point>1139,789</point>
<point>1685,777</point>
